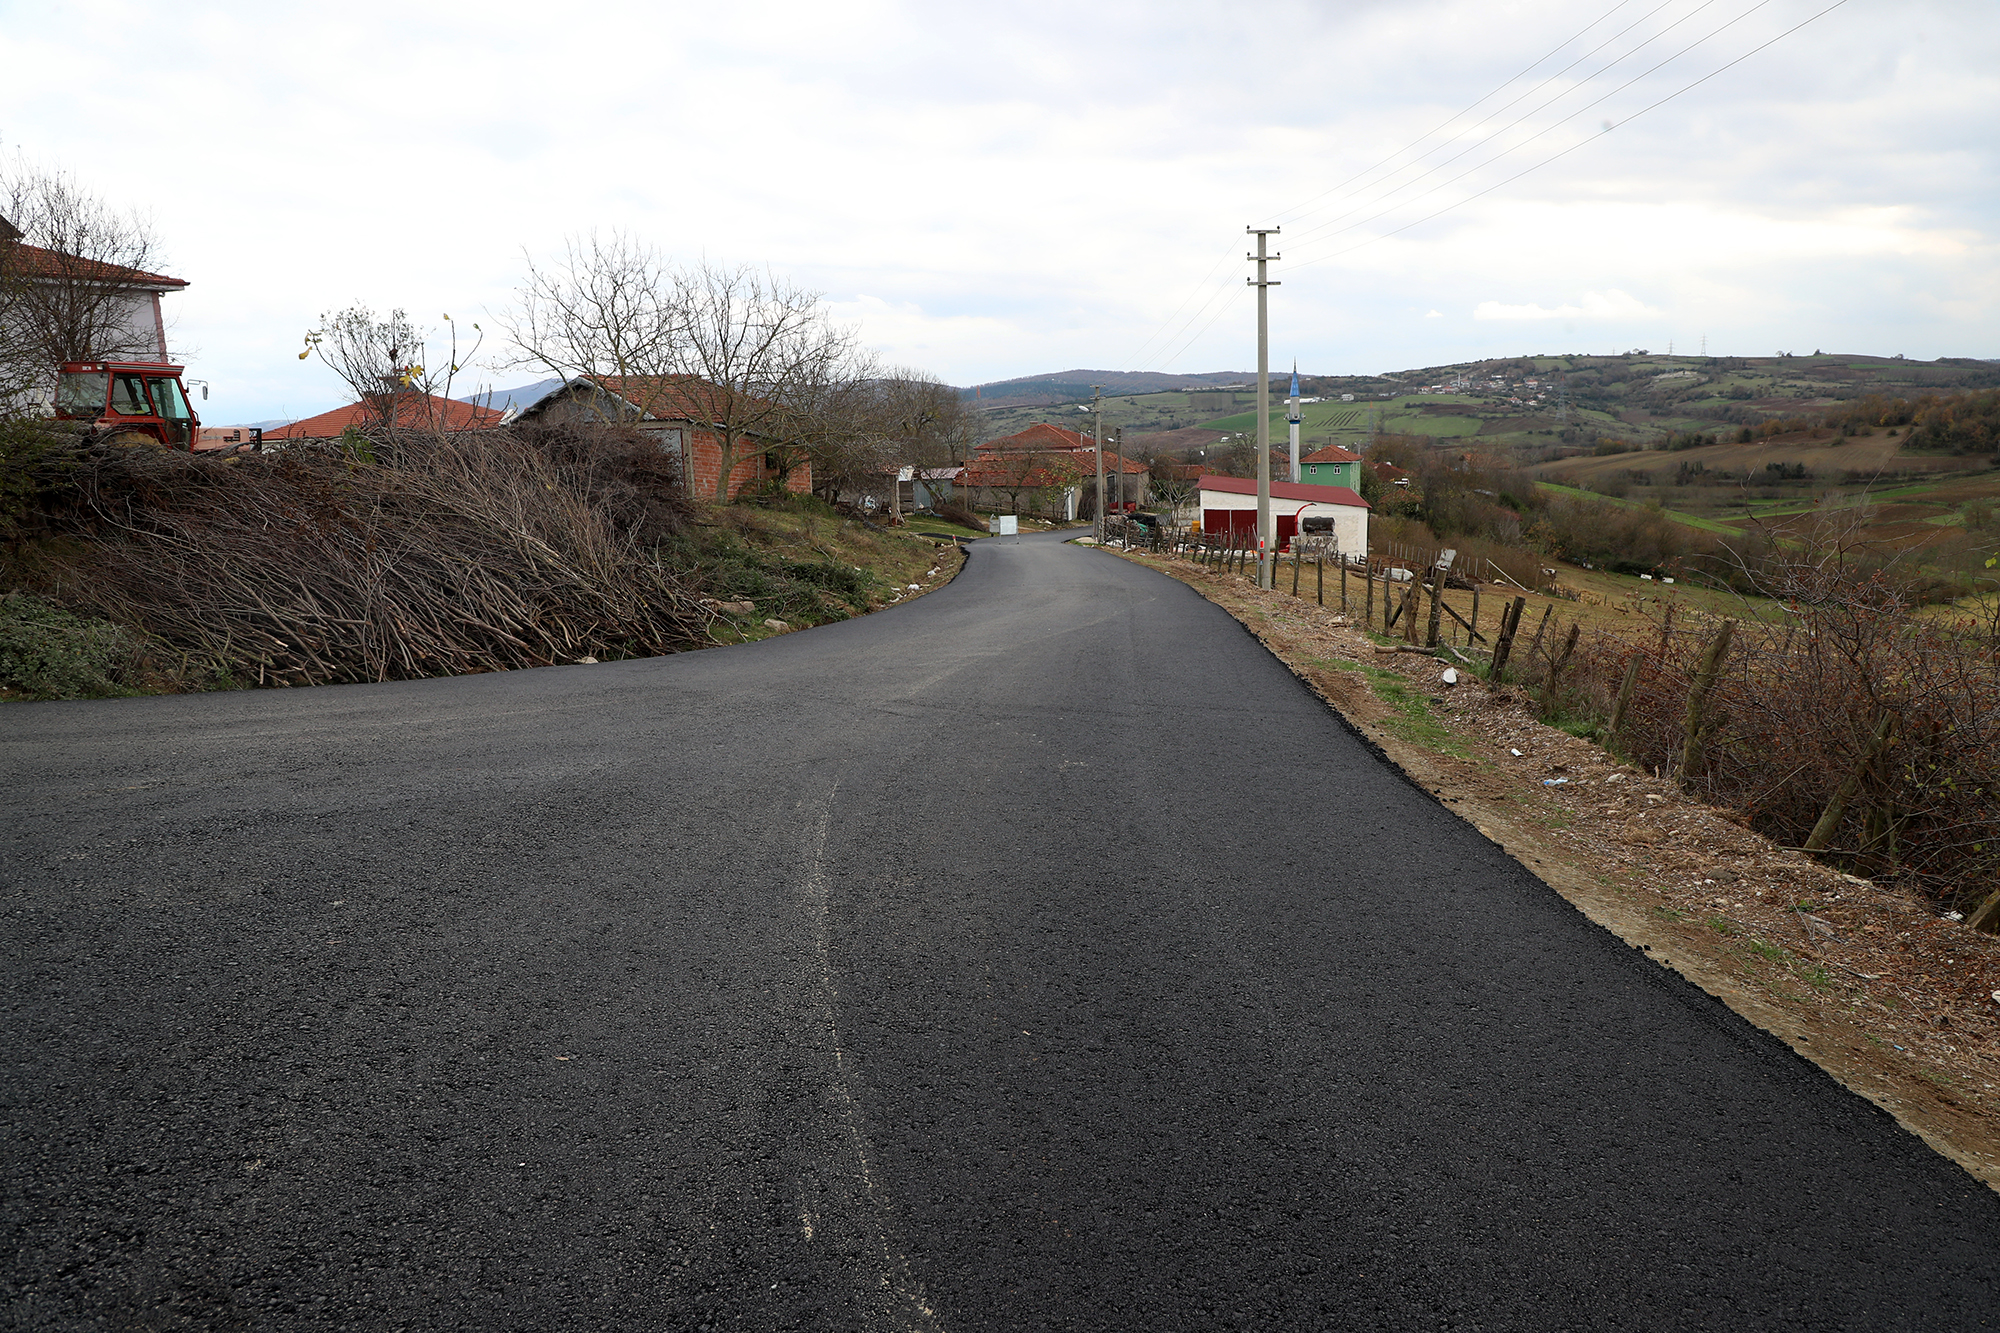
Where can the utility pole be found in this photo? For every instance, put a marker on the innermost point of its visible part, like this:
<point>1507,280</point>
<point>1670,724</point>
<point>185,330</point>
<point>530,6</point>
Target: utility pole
<point>1265,535</point>
<point>1097,425</point>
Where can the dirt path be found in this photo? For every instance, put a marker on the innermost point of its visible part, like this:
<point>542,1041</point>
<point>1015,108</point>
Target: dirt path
<point>1896,1003</point>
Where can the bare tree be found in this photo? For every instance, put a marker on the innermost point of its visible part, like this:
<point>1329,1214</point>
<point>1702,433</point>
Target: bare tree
<point>924,422</point>
<point>70,271</point>
<point>740,353</point>
<point>756,348</point>
<point>385,362</point>
<point>605,308</point>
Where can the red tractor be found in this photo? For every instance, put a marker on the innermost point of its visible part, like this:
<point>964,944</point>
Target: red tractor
<point>126,403</point>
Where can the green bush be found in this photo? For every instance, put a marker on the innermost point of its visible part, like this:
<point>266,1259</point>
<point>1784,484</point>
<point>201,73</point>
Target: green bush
<point>35,460</point>
<point>49,653</point>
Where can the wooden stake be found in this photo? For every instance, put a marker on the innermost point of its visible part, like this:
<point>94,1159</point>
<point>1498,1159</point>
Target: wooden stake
<point>1624,702</point>
<point>1295,571</point>
<point>1698,721</point>
<point>1319,573</point>
<point>1829,820</point>
<point>1510,621</point>
<point>1536,647</point>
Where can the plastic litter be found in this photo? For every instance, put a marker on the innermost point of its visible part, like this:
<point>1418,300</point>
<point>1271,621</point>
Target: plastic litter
<point>1450,676</point>
<point>1554,782</point>
<point>1515,753</point>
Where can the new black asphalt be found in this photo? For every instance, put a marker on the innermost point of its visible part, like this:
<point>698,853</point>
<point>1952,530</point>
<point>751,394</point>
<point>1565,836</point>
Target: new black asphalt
<point>1038,954</point>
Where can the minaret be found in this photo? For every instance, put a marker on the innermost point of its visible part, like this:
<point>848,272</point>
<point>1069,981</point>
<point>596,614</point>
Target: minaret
<point>1292,418</point>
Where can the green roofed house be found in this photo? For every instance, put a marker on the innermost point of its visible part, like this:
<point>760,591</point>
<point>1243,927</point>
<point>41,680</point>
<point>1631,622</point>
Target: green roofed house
<point>1331,466</point>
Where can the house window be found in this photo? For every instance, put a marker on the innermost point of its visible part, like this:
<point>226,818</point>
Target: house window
<point>669,440</point>
<point>771,460</point>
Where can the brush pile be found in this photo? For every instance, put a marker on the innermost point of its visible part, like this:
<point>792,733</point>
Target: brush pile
<point>387,558</point>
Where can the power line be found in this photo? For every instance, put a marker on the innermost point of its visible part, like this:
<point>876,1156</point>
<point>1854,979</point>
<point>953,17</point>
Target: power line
<point>1165,332</point>
<point>1162,330</point>
<point>1498,88</point>
<point>1573,147</point>
<point>1440,166</point>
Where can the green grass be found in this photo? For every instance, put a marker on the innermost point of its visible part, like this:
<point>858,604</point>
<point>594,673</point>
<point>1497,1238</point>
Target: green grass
<point>1412,720</point>
<point>1724,927</point>
<point>1678,516</point>
<point>1669,913</point>
<point>1770,953</point>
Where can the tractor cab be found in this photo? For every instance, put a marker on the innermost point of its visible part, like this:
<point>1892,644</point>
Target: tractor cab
<point>127,402</point>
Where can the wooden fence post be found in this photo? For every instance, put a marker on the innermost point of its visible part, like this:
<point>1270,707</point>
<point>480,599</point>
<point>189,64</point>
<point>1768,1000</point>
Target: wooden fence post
<point>1829,820</point>
<point>1440,572</point>
<point>1319,574</point>
<point>1698,720</point>
<point>1343,585</point>
<point>1535,648</point>
<point>1295,571</point>
<point>1510,621</point>
<point>1472,625</point>
<point>1624,701</point>
<point>1368,586</point>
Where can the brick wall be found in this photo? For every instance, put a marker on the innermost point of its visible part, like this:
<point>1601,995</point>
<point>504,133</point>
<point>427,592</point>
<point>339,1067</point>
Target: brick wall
<point>704,467</point>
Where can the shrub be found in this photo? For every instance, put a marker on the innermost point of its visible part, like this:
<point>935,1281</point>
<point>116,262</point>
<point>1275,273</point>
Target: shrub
<point>1795,710</point>
<point>49,653</point>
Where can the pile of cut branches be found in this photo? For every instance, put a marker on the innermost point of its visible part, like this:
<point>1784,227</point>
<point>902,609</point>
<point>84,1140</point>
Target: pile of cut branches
<point>325,563</point>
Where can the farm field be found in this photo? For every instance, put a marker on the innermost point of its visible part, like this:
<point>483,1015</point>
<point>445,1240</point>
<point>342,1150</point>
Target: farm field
<point>1739,484</point>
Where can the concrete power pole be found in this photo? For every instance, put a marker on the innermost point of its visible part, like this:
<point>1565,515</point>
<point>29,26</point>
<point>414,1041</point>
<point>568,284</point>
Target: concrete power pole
<point>1097,425</point>
<point>1266,537</point>
<point>1292,422</point>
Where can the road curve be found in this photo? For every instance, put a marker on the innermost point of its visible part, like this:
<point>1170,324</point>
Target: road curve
<point>1038,954</point>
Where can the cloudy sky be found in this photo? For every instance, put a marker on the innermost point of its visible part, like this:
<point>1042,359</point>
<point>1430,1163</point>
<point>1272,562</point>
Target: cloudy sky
<point>999,189</point>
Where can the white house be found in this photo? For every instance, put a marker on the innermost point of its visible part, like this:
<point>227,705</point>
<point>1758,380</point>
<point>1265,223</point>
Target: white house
<point>1229,504</point>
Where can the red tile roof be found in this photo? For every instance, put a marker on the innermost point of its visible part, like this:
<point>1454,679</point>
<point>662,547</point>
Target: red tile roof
<point>1285,490</point>
<point>1333,453</point>
<point>421,411</point>
<point>35,262</point>
<point>1024,471</point>
<point>668,397</point>
<point>1037,437</point>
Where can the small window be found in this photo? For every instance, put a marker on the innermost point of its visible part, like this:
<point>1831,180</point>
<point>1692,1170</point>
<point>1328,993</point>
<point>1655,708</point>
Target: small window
<point>771,460</point>
<point>669,440</point>
<point>82,395</point>
<point>167,394</point>
<point>128,396</point>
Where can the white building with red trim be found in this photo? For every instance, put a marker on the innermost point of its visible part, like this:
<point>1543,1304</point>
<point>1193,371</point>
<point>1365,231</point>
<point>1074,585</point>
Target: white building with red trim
<point>1229,504</point>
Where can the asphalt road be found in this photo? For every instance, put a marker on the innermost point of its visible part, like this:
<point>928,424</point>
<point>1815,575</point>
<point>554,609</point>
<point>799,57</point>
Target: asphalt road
<point>1039,954</point>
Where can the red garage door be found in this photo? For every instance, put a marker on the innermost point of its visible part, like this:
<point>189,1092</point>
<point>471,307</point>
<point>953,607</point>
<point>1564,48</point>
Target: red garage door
<point>1229,520</point>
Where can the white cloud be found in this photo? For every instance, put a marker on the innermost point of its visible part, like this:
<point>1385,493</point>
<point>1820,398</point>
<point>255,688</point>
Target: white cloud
<point>1595,305</point>
<point>1015,202</point>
